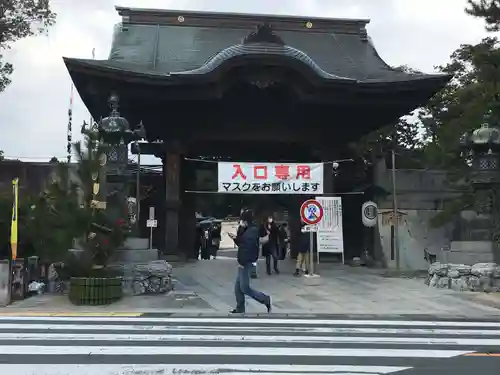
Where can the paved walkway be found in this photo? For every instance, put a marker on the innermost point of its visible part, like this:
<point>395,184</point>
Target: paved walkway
<point>207,287</point>
<point>343,290</point>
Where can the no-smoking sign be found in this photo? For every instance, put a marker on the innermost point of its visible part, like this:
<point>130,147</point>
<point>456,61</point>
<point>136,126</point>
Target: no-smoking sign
<point>311,212</point>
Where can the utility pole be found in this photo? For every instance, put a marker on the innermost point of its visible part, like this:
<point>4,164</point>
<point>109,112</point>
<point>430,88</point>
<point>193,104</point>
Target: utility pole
<point>395,210</point>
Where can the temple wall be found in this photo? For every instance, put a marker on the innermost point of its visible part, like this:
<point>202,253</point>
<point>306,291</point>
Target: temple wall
<point>420,196</point>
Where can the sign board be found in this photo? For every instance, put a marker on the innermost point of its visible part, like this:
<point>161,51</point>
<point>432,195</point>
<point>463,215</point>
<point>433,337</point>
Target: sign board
<point>97,204</point>
<point>309,228</point>
<point>330,236</point>
<point>270,178</point>
<point>369,214</point>
<point>151,223</point>
<point>311,212</point>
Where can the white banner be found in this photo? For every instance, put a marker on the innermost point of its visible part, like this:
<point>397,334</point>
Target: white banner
<point>330,234</point>
<point>270,178</point>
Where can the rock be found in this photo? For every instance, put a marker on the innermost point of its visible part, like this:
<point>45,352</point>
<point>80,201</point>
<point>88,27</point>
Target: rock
<point>483,269</point>
<point>495,285</point>
<point>460,284</point>
<point>474,284</point>
<point>437,268</point>
<point>453,274</point>
<point>462,269</point>
<point>137,277</point>
<point>443,282</point>
<point>481,277</point>
<point>496,273</point>
<point>434,281</point>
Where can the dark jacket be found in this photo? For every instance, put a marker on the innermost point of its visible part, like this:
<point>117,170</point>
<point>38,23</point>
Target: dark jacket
<point>304,243</point>
<point>247,240</point>
<point>273,242</point>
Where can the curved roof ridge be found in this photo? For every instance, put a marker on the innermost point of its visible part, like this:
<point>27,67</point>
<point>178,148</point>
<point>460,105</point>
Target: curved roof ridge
<point>263,49</point>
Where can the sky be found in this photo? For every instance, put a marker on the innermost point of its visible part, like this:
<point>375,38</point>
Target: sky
<point>34,108</point>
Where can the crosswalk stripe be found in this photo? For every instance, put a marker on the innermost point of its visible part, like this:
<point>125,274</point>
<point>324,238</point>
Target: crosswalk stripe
<point>265,321</point>
<point>250,328</point>
<point>226,369</point>
<point>251,345</point>
<point>227,351</point>
<point>252,339</point>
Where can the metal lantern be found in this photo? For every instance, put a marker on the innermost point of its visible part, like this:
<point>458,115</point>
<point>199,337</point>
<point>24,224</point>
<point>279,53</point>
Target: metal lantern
<point>482,147</point>
<point>115,129</point>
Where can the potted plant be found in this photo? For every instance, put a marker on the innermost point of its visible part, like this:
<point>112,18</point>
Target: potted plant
<point>91,282</point>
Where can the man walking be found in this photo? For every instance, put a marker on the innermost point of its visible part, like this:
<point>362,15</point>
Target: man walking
<point>248,242</point>
<point>239,232</point>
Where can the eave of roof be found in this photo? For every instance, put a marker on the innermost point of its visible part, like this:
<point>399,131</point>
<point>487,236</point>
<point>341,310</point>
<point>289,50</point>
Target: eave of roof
<point>125,72</point>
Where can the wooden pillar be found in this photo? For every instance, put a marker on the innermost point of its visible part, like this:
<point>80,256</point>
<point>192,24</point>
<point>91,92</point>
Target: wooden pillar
<point>187,227</point>
<point>172,170</point>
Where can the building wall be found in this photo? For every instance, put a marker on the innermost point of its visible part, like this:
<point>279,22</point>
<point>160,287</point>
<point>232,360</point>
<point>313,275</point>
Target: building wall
<point>420,196</point>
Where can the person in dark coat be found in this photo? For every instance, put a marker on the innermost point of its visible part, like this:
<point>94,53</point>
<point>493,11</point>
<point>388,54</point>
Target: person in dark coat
<point>241,229</point>
<point>303,254</point>
<point>270,248</point>
<point>283,241</point>
<point>248,252</point>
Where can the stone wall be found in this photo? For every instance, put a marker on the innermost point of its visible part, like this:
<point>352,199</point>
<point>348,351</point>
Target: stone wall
<point>481,277</point>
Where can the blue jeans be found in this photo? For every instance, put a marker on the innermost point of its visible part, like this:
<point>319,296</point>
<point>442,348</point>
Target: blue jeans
<point>242,288</point>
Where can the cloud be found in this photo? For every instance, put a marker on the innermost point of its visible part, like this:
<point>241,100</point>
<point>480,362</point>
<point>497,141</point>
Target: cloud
<point>33,110</point>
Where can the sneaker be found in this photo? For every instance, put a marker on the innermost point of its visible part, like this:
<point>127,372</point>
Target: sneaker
<point>268,304</point>
<point>236,311</point>
<point>277,271</point>
<point>306,272</point>
<point>296,273</point>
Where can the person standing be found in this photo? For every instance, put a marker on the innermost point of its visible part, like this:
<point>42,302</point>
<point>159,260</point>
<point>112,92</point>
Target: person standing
<point>270,249</point>
<point>239,232</point>
<point>283,241</point>
<point>303,254</point>
<point>248,242</point>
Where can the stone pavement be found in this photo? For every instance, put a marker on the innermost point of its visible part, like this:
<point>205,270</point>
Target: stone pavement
<point>206,287</point>
<point>343,290</point>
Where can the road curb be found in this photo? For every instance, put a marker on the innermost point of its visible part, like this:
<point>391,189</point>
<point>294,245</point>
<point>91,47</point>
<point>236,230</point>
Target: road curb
<point>70,314</point>
<point>404,317</point>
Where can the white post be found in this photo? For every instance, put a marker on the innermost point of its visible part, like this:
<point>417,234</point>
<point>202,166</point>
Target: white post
<point>151,217</point>
<point>311,253</point>
<point>138,186</point>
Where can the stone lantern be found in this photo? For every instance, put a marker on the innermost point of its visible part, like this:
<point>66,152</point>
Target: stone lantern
<point>482,146</point>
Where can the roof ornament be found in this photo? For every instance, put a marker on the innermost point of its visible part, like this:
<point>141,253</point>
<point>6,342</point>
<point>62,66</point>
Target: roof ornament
<point>263,34</point>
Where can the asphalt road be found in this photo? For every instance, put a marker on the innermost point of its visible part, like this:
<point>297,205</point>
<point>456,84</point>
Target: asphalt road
<point>239,345</point>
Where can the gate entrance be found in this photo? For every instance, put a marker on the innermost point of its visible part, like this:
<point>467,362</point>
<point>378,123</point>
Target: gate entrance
<point>239,87</point>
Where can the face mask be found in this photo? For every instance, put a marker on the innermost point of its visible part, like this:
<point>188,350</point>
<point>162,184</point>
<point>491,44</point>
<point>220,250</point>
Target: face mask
<point>269,220</point>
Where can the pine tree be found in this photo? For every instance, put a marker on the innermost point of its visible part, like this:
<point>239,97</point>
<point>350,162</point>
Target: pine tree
<point>20,19</point>
<point>487,9</point>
